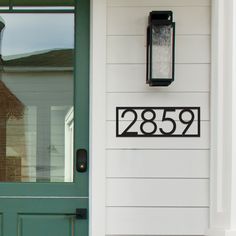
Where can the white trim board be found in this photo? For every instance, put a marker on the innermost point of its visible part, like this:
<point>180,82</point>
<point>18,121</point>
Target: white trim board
<point>97,222</point>
<point>223,130</point>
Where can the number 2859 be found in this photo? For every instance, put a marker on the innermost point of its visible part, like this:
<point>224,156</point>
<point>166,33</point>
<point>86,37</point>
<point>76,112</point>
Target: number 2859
<point>158,121</point>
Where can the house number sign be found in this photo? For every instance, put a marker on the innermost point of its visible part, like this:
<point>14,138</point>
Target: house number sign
<point>158,121</point>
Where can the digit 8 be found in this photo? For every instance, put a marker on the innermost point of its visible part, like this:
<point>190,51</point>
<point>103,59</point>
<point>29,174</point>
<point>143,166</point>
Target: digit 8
<point>145,121</point>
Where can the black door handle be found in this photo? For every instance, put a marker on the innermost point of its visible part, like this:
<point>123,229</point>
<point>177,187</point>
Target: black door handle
<point>81,160</point>
<point>80,214</point>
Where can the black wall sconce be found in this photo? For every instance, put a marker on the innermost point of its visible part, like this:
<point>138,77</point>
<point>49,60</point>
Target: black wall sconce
<point>160,48</point>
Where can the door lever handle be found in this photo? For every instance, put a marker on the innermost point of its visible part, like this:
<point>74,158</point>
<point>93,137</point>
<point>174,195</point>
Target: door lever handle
<point>81,160</point>
<point>81,213</point>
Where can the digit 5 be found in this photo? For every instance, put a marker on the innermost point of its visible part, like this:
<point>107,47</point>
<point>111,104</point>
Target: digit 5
<point>164,118</point>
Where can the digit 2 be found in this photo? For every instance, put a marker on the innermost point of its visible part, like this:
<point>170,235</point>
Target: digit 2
<point>125,132</point>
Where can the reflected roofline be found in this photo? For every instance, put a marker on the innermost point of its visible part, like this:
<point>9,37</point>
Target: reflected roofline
<point>46,60</point>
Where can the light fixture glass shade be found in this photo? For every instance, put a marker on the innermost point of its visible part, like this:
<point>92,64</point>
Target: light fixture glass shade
<point>162,51</point>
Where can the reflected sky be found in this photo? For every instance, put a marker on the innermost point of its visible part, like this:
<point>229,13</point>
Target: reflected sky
<point>26,33</point>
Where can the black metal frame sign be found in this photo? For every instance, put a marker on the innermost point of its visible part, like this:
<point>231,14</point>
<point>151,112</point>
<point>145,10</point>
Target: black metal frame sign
<point>158,122</point>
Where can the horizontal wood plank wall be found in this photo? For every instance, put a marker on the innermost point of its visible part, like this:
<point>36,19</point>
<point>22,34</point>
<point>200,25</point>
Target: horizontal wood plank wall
<point>157,186</point>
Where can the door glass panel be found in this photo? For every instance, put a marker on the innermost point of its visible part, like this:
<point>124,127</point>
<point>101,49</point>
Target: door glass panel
<point>36,97</point>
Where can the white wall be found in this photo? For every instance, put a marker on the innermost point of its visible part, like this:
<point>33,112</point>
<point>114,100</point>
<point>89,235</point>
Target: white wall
<point>157,186</point>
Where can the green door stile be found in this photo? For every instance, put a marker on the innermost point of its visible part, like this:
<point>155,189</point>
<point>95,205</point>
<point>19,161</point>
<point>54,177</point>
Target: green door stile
<point>48,209</point>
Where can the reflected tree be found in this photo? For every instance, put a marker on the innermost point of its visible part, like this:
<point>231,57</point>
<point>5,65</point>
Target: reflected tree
<point>10,107</point>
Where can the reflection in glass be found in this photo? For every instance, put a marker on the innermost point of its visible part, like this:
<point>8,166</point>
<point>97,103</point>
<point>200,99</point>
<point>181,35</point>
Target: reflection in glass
<point>36,97</point>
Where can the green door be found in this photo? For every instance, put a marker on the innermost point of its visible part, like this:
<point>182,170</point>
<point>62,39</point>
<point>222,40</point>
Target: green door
<point>44,120</point>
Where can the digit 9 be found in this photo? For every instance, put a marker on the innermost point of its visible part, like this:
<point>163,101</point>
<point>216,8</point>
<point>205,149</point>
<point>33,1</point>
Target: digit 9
<point>187,122</point>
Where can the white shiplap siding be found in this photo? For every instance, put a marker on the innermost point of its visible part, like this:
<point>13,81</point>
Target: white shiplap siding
<point>169,164</point>
<point>157,186</point>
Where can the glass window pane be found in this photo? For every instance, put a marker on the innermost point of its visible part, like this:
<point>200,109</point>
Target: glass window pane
<point>36,98</point>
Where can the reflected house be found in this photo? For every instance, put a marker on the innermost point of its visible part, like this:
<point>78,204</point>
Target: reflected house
<point>37,91</point>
